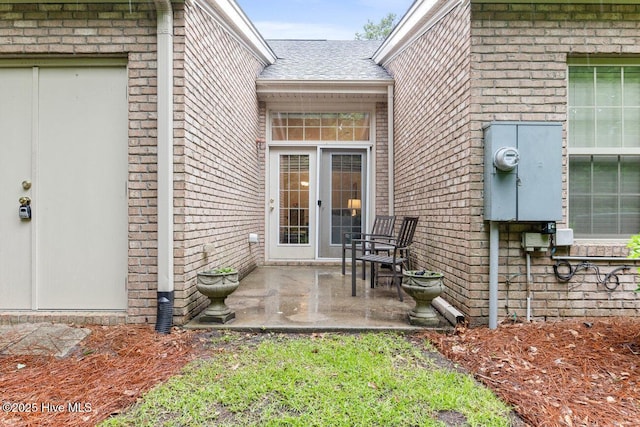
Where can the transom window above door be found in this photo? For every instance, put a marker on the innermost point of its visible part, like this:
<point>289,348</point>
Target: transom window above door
<point>342,127</point>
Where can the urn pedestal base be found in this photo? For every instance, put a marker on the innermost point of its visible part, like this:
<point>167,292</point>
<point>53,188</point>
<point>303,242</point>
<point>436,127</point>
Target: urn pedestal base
<point>217,287</point>
<point>217,318</point>
<point>423,287</point>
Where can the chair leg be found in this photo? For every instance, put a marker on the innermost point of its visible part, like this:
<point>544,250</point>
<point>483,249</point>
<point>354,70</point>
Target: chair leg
<point>373,275</point>
<point>396,282</point>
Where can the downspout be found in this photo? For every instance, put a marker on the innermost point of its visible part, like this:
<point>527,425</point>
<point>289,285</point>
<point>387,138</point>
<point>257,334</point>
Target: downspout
<point>390,149</point>
<point>164,22</point>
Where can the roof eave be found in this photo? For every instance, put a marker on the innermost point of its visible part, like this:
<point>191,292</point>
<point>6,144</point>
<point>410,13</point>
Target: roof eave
<point>227,10</point>
<point>244,28</point>
<point>421,16</point>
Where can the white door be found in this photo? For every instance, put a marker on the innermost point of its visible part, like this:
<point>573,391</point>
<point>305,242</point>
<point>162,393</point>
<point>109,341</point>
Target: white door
<point>292,204</point>
<point>73,252</point>
<point>343,198</point>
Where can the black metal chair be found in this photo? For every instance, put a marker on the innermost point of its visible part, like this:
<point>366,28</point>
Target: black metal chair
<point>382,229</point>
<point>396,255</point>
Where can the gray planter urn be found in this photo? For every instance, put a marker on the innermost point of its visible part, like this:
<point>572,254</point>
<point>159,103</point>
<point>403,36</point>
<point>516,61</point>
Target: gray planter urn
<point>423,286</point>
<point>217,285</point>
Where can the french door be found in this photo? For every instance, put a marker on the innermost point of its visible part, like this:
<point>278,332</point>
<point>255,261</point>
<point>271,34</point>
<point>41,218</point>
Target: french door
<point>315,195</point>
<point>342,196</point>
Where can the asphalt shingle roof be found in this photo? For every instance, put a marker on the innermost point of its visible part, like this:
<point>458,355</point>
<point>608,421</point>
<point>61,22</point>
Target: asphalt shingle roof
<point>324,60</point>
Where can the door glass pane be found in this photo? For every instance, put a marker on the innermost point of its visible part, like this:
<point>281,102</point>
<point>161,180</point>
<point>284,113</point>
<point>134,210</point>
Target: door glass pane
<point>294,199</point>
<point>346,195</point>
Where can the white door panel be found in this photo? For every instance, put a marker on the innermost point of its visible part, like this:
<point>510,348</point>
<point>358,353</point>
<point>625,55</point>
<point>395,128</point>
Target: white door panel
<point>15,167</point>
<point>81,204</point>
<point>70,134</point>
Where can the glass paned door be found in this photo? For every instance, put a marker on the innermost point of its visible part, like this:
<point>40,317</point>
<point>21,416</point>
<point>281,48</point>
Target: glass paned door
<point>294,199</point>
<point>342,198</point>
<point>292,203</point>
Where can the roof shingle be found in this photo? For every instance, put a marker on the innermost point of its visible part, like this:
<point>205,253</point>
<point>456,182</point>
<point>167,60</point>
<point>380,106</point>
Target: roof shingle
<point>327,60</point>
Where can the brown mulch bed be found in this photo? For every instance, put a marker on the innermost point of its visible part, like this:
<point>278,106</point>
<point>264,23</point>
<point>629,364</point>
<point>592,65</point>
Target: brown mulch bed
<point>569,373</point>
<point>109,371</point>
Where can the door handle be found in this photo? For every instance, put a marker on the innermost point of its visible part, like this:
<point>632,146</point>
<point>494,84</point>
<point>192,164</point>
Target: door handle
<point>319,203</point>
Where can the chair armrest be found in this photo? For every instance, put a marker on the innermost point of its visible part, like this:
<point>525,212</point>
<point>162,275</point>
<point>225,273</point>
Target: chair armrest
<point>379,237</point>
<point>373,242</point>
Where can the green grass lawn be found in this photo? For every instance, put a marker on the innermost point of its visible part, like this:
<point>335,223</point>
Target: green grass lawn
<point>374,379</point>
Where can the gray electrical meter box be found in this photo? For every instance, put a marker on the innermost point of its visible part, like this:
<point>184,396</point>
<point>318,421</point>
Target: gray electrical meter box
<point>523,171</point>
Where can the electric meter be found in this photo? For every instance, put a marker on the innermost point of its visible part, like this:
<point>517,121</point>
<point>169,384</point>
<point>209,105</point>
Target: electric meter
<point>506,159</point>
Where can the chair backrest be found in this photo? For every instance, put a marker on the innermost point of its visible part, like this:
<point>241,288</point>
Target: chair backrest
<point>383,225</point>
<point>407,230</point>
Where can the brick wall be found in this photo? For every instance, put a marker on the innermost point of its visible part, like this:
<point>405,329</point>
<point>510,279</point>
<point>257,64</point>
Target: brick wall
<point>519,61</point>
<point>220,181</point>
<point>95,30</point>
<point>218,165</point>
<point>480,63</point>
<point>433,173</point>
<point>382,159</point>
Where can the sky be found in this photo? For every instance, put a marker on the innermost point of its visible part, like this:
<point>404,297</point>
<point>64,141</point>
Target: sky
<point>318,19</point>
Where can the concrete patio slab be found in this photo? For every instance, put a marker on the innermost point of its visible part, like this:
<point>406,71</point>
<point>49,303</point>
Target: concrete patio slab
<point>314,298</point>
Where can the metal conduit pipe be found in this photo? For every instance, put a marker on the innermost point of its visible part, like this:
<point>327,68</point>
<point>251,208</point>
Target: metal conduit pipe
<point>593,258</point>
<point>164,23</point>
<point>494,251</point>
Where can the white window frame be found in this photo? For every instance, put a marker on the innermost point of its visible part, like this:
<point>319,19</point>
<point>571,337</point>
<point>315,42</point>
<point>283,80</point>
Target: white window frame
<point>597,151</point>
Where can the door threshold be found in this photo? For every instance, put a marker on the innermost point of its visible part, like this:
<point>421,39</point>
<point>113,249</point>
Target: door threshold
<point>304,262</point>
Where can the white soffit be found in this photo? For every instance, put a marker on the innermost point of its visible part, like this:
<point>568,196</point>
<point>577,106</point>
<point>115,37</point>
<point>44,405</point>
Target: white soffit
<point>269,89</point>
